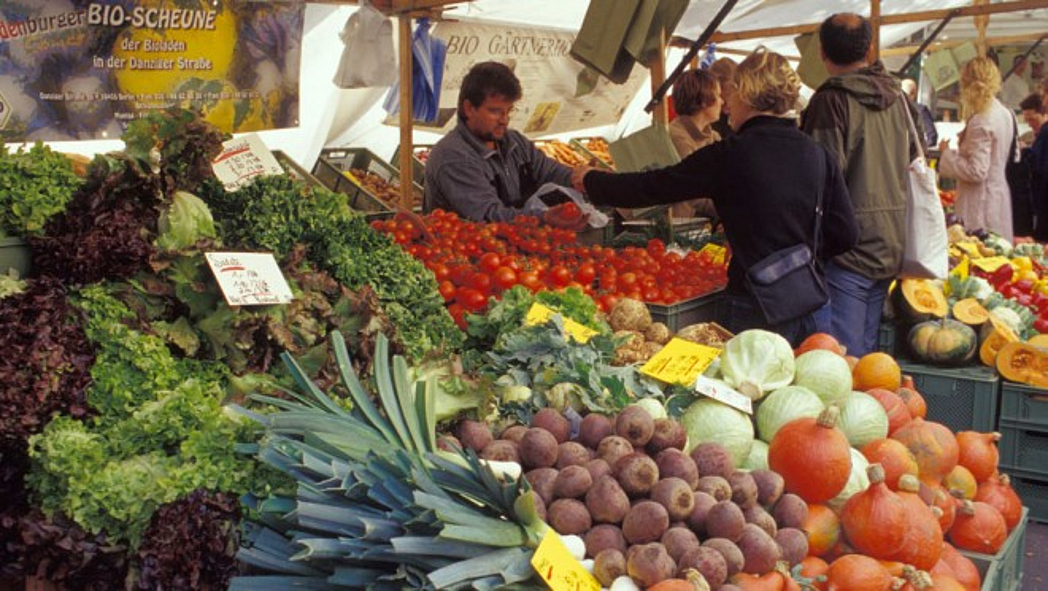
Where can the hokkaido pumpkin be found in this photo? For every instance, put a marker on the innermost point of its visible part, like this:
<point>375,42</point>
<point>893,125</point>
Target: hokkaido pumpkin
<point>1023,363</point>
<point>960,479</point>
<point>875,520</point>
<point>946,583</point>
<point>997,492</point>
<point>997,336</point>
<point>979,527</point>
<point>964,570</point>
<point>970,312</point>
<point>823,527</point>
<point>914,580</point>
<point>812,568</point>
<point>978,453</point>
<point>894,407</point>
<point>812,456</point>
<point>894,457</point>
<point>922,543</point>
<point>820,340</point>
<point>913,399</point>
<point>876,370</point>
<point>694,582</point>
<point>773,580</point>
<point>855,572</point>
<point>933,445</point>
<point>944,342</point>
<point>937,497</point>
<point>918,300</point>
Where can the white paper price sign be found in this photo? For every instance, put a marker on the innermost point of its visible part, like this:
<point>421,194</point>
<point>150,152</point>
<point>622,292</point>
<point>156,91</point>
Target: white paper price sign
<point>720,392</point>
<point>242,159</point>
<point>249,278</point>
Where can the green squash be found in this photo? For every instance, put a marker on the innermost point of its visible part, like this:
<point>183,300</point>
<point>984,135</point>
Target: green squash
<point>943,342</point>
<point>918,300</point>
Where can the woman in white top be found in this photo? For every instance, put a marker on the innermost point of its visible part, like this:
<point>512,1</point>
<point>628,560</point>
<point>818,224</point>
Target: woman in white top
<point>985,145</point>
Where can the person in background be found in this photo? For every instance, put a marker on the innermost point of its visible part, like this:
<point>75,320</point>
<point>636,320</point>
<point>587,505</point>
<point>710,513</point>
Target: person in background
<point>764,181</point>
<point>483,170</point>
<point>931,136</point>
<point>724,71</point>
<point>1035,157</point>
<point>983,152</point>
<point>858,115</point>
<point>1015,88</point>
<point>697,101</point>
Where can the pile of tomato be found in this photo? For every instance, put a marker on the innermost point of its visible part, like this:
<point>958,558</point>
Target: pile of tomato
<point>473,261</point>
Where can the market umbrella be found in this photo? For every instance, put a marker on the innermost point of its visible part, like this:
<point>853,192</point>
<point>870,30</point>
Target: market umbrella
<point>427,73</point>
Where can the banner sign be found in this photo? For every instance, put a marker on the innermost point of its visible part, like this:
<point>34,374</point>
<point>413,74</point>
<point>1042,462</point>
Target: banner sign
<point>78,70</point>
<point>548,75</point>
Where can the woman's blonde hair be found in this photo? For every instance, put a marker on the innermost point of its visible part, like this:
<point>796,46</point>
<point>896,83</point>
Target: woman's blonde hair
<point>766,82</point>
<point>980,81</point>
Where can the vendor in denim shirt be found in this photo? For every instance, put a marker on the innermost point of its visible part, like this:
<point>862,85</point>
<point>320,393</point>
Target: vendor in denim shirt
<point>483,170</point>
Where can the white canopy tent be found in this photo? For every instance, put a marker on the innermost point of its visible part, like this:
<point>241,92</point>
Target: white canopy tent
<point>329,116</point>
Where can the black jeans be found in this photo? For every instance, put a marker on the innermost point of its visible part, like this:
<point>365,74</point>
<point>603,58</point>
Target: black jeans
<point>743,314</point>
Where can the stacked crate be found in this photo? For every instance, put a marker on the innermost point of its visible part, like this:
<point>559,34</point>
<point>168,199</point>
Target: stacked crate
<point>1024,444</point>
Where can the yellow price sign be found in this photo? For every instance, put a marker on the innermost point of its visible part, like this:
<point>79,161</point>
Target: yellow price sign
<point>555,564</point>
<point>990,264</point>
<point>352,177</point>
<point>969,248</point>
<point>714,250</point>
<point>680,362</point>
<point>962,269</point>
<point>539,314</point>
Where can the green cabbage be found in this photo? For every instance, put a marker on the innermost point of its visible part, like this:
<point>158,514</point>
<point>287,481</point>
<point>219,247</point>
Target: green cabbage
<point>863,419</point>
<point>709,420</point>
<point>825,373</point>
<point>758,458</point>
<point>858,481</point>
<point>756,362</point>
<point>184,223</point>
<point>784,405</point>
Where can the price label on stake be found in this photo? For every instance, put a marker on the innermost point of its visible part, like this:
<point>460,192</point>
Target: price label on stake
<point>555,564</point>
<point>242,159</point>
<point>539,314</point>
<point>249,278</point>
<point>990,264</point>
<point>680,362</point>
<point>720,392</point>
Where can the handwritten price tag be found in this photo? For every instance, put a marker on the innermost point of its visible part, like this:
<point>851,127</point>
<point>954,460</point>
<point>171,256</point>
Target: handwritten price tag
<point>990,264</point>
<point>249,278</point>
<point>539,314</point>
<point>720,392</point>
<point>242,159</point>
<point>970,248</point>
<point>680,362</point>
<point>555,564</point>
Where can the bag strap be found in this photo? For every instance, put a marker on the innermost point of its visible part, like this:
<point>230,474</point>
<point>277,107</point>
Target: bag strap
<point>1014,149</point>
<point>909,121</point>
<point>818,205</point>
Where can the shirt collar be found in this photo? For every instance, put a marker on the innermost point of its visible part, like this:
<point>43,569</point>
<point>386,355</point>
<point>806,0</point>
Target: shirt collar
<point>472,141</point>
<point>768,121</point>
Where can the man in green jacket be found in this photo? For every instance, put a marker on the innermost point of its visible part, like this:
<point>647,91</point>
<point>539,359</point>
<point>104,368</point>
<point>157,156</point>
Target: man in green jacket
<point>857,114</point>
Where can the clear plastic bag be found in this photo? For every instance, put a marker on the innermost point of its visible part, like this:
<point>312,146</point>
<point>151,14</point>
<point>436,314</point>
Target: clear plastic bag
<point>368,58</point>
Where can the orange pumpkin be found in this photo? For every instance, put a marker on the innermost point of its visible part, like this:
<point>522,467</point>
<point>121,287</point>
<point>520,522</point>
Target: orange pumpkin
<point>946,583</point>
<point>895,457</point>
<point>819,340</point>
<point>922,543</point>
<point>961,479</point>
<point>961,567</point>
<point>978,453</point>
<point>772,580</point>
<point>875,520</point>
<point>894,407</point>
<point>933,445</point>
<point>855,572</point>
<point>936,496</point>
<point>979,527</point>
<point>811,569</point>
<point>998,493</point>
<point>876,370</point>
<point>812,456</point>
<point>914,580</point>
<point>913,399</point>
<point>694,582</point>
<point>823,527</point>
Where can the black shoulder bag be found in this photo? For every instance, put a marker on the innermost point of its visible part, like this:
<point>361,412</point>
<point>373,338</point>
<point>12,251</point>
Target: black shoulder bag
<point>787,284</point>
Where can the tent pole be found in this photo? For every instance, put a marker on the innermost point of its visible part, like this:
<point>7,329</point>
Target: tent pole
<point>916,55</point>
<point>1029,51</point>
<point>875,23</point>
<point>658,74</point>
<point>982,21</point>
<point>406,111</point>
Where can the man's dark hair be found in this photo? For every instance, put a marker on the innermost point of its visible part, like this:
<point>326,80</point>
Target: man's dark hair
<point>845,38</point>
<point>488,79</point>
<point>1033,103</point>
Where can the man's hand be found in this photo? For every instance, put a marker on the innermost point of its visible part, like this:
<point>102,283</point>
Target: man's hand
<point>567,216</point>
<point>578,174</point>
<point>944,145</point>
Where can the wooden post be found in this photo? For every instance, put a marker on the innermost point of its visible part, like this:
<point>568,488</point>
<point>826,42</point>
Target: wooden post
<point>658,75</point>
<point>875,23</point>
<point>406,113</point>
<point>981,22</point>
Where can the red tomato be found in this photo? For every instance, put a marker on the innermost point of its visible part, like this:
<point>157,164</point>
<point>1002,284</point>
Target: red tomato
<point>490,261</point>
<point>560,275</point>
<point>447,290</point>
<point>440,271</point>
<point>627,280</point>
<point>471,299</point>
<point>608,301</point>
<point>505,278</point>
<point>460,275</point>
<point>458,314</point>
<point>530,280</point>
<point>586,273</point>
<point>481,282</point>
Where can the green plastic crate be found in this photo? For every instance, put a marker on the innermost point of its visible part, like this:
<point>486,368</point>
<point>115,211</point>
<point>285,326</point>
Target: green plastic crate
<point>1032,489</point>
<point>705,308</point>
<point>332,165</point>
<point>418,167</point>
<point>295,170</point>
<point>963,399</point>
<point>1005,571</point>
<point>887,339</point>
<point>1024,447</point>
<point>1025,404</point>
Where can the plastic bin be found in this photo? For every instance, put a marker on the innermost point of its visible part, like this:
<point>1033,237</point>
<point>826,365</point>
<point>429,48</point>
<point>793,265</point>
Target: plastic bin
<point>418,167</point>
<point>1032,489</point>
<point>1024,447</point>
<point>580,144</point>
<point>592,236</point>
<point>888,339</point>
<point>295,170</point>
<point>563,152</point>
<point>1026,404</point>
<point>963,399</point>
<point>1005,570</point>
<point>705,308</point>
<point>332,165</point>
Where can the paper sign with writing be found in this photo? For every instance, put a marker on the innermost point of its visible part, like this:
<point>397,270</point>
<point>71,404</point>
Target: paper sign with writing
<point>720,392</point>
<point>249,278</point>
<point>970,248</point>
<point>963,268</point>
<point>539,314</point>
<point>680,362</point>
<point>242,159</point>
<point>555,564</point>
<point>990,264</point>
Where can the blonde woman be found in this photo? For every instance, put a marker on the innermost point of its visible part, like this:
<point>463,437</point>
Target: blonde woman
<point>983,151</point>
<point>764,182</point>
